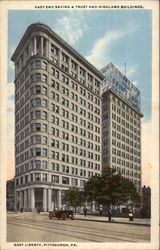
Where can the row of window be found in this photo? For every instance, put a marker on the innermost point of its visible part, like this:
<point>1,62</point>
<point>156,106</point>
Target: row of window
<point>120,136</point>
<point>41,64</point>
<point>127,172</point>
<point>126,126</point>
<point>127,141</point>
<point>37,139</point>
<point>124,108</point>
<point>56,167</point>
<point>43,152</point>
<point>37,127</point>
<point>120,120</point>
<point>37,177</point>
<point>43,115</point>
<point>123,162</point>
<point>55,96</point>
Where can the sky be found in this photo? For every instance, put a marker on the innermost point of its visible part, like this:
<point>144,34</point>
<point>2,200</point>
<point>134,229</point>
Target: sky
<point>101,36</point>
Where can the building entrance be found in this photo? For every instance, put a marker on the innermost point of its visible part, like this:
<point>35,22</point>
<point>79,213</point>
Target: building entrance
<point>39,198</point>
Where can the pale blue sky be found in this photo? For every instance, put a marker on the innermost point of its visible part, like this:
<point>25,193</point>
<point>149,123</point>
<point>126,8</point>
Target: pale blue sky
<point>101,36</point>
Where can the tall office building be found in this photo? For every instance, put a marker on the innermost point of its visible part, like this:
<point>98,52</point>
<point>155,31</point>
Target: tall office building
<point>57,119</point>
<point>121,125</point>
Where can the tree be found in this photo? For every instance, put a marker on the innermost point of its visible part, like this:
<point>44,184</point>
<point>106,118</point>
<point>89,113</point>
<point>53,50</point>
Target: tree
<point>111,188</point>
<point>74,197</point>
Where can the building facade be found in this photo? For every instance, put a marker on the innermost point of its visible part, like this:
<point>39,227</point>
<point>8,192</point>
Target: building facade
<point>121,125</point>
<point>57,119</point>
<point>146,201</point>
<point>10,193</point>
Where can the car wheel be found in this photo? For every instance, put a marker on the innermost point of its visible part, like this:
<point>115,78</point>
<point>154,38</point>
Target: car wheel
<point>63,216</point>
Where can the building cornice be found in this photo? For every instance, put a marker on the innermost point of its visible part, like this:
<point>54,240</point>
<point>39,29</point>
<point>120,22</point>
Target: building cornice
<point>38,27</point>
<point>113,92</point>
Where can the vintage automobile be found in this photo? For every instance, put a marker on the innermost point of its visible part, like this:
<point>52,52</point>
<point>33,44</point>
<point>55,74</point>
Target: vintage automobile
<point>61,214</point>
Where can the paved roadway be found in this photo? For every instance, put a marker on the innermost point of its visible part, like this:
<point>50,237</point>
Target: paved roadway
<point>35,227</point>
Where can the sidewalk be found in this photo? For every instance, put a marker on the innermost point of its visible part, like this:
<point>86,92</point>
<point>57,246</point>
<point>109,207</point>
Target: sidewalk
<point>136,221</point>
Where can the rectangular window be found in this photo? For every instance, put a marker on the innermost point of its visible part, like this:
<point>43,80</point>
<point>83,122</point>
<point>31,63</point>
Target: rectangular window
<point>38,126</point>
<point>38,151</point>
<point>37,177</point>
<point>44,78</point>
<point>38,77</point>
<point>44,165</point>
<point>65,180</point>
<point>37,114</point>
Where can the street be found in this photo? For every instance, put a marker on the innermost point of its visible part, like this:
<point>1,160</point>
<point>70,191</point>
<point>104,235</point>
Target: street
<point>33,227</point>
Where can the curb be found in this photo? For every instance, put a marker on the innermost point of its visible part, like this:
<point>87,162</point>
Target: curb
<point>118,222</point>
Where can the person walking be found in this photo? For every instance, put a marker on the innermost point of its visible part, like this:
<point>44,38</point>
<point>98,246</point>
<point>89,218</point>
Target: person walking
<point>109,215</point>
<point>85,211</point>
<point>130,215</point>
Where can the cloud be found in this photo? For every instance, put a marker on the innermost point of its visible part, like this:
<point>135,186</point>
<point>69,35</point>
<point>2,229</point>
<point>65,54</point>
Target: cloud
<point>11,50</point>
<point>71,27</point>
<point>11,65</point>
<point>135,83</point>
<point>99,54</point>
<point>10,90</point>
<point>130,70</point>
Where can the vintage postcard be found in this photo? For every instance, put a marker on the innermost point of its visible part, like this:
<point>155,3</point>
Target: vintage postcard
<point>79,124</point>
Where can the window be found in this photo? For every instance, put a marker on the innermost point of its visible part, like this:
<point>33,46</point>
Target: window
<point>44,115</point>
<point>53,155</point>
<point>64,58</point>
<point>37,114</point>
<point>44,65</point>
<point>73,65</point>
<point>44,177</point>
<point>37,64</point>
<point>38,89</point>
<point>44,152</point>
<point>38,126</point>
<point>55,178</point>
<point>44,140</point>
<point>38,77</point>
<point>65,180</point>
<point>44,103</point>
<point>38,164</point>
<point>54,49</point>
<point>74,182</point>
<point>44,78</point>
<point>37,139</point>
<point>44,127</point>
<point>44,90</point>
<point>37,176</point>
<point>38,151</point>
<point>38,102</point>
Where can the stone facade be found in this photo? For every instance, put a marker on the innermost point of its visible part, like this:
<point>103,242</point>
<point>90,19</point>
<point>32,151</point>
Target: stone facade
<point>57,119</point>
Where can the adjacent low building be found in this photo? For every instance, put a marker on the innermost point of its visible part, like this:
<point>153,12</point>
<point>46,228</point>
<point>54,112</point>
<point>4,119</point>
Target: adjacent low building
<point>10,193</point>
<point>146,201</point>
<point>57,119</point>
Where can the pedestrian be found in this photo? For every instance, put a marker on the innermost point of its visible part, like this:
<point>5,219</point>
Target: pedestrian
<point>130,215</point>
<point>109,215</point>
<point>38,210</point>
<point>85,211</point>
<point>100,210</point>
